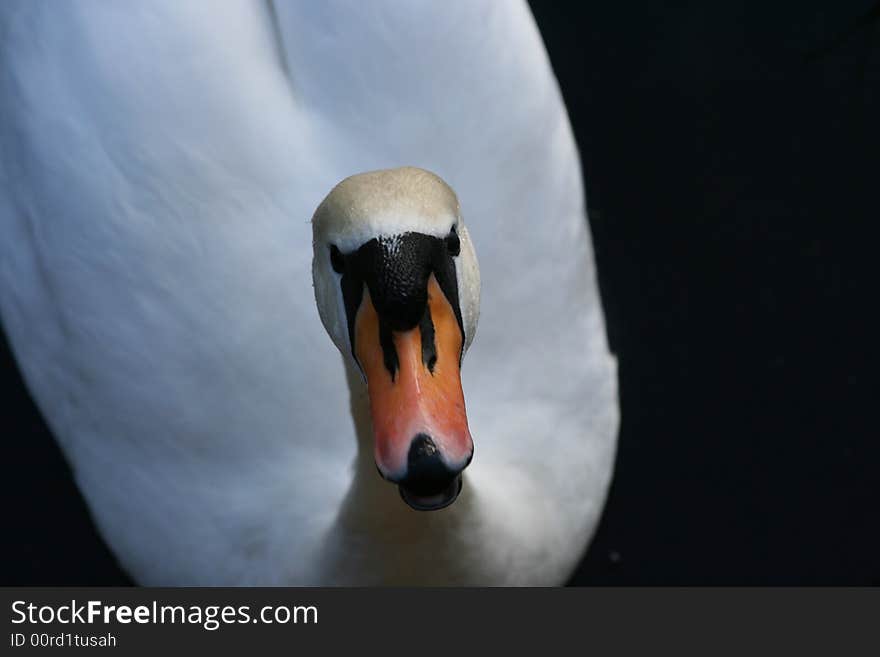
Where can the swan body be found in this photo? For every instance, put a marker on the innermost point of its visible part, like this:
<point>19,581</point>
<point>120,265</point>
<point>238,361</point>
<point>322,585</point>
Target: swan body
<point>160,165</point>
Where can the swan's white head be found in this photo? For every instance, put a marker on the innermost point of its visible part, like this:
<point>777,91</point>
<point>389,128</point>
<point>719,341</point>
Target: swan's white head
<point>398,290</point>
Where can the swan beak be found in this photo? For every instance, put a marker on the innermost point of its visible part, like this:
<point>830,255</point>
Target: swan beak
<point>421,436</point>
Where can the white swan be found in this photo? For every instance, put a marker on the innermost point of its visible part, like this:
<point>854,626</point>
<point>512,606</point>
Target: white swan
<point>160,164</point>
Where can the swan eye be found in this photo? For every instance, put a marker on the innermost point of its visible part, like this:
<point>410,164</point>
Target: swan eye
<point>453,244</point>
<point>336,260</point>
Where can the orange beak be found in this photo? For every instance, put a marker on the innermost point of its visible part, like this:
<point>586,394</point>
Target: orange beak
<point>418,408</point>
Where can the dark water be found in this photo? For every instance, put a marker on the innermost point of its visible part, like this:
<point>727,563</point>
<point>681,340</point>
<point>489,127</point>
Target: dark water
<point>731,157</point>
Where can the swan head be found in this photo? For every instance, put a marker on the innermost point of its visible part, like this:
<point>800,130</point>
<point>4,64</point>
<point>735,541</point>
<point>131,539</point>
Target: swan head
<point>398,290</point>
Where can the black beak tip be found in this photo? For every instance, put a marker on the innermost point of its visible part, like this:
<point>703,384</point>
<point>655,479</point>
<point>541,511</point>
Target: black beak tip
<point>432,502</point>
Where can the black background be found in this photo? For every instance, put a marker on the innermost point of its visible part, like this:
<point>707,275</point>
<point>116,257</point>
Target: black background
<point>730,152</point>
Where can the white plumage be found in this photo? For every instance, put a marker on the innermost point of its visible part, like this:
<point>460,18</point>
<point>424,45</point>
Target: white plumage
<point>160,162</point>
